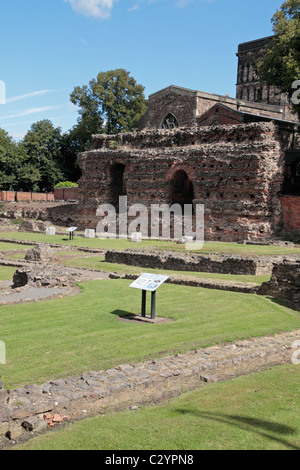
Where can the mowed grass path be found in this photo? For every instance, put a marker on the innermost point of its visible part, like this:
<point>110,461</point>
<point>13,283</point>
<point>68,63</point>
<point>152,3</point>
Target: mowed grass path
<point>257,412</point>
<point>110,244</point>
<point>6,274</point>
<point>63,337</point>
<point>4,246</point>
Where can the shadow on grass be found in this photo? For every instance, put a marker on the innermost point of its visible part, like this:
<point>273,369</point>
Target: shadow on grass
<point>122,313</point>
<point>244,423</point>
<point>282,303</point>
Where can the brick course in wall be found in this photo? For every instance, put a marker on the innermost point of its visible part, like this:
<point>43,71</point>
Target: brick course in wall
<point>65,194</point>
<point>291,213</point>
<point>11,196</point>
<point>8,196</point>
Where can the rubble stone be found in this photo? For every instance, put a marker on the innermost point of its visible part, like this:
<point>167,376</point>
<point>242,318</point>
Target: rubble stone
<point>42,253</point>
<point>34,226</point>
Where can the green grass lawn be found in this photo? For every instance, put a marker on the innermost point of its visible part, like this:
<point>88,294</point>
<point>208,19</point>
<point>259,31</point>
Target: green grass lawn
<point>15,256</point>
<point>6,274</point>
<point>98,262</point>
<point>257,412</point>
<point>63,337</point>
<point>13,246</point>
<point>209,247</point>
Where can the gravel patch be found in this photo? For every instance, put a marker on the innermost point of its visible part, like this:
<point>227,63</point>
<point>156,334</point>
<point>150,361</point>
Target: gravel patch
<point>31,294</point>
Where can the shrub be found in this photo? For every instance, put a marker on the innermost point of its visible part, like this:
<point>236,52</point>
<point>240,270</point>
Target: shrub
<point>292,236</point>
<point>66,184</point>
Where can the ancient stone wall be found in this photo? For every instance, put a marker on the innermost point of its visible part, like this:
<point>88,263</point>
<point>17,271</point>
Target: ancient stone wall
<point>291,213</point>
<point>235,171</point>
<point>224,264</point>
<point>285,283</point>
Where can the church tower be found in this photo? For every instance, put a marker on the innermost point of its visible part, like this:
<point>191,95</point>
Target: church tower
<point>249,88</point>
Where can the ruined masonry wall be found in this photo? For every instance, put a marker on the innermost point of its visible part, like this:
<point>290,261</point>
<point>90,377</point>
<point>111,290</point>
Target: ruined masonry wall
<point>284,283</point>
<point>237,173</point>
<point>224,264</point>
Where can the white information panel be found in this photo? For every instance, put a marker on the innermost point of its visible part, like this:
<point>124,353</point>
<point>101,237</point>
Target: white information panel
<point>89,233</point>
<point>136,237</point>
<point>71,229</point>
<point>50,230</point>
<point>149,282</point>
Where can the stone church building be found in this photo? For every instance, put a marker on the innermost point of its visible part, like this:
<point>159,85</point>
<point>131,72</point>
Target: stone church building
<point>179,107</point>
<point>238,156</point>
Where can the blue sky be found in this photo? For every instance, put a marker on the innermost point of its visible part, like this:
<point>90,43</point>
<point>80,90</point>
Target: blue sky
<point>47,47</point>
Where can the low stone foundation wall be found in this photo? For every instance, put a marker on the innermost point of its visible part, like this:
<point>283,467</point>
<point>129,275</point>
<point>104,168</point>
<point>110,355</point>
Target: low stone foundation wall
<point>214,263</point>
<point>284,283</point>
<point>242,287</point>
<point>41,276</point>
<point>35,408</point>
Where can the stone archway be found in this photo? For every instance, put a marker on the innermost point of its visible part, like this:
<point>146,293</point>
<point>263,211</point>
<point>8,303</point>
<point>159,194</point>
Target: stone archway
<point>117,185</point>
<point>182,188</point>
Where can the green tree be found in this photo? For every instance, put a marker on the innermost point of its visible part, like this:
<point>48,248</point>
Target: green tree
<point>281,66</point>
<point>9,162</point>
<point>42,147</point>
<point>113,102</point>
<point>29,177</point>
<point>75,141</point>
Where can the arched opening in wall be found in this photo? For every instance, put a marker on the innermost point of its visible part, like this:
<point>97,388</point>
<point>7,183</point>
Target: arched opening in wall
<point>170,122</point>
<point>291,184</point>
<point>117,184</point>
<point>182,189</point>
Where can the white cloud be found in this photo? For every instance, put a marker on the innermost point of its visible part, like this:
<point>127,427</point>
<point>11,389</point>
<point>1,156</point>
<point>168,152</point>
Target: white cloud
<point>29,111</point>
<point>134,7</point>
<point>27,95</point>
<point>83,41</point>
<point>95,8</point>
<point>2,92</point>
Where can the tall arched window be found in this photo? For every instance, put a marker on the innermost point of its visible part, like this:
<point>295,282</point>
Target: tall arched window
<point>170,122</point>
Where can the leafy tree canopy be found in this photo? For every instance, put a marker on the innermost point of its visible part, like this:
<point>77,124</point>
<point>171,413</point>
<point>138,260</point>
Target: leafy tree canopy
<point>9,158</point>
<point>281,66</point>
<point>41,146</point>
<point>113,102</point>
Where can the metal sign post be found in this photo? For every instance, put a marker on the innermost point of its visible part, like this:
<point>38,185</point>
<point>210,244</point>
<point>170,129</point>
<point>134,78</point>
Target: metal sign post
<point>71,231</point>
<point>153,305</point>
<point>149,283</point>
<point>144,300</point>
